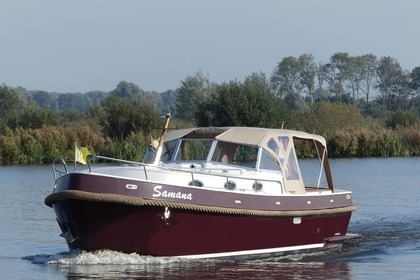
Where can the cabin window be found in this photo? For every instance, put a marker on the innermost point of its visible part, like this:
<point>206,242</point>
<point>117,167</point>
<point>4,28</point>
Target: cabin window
<point>279,151</point>
<point>149,155</point>
<point>284,141</point>
<point>224,152</point>
<point>268,162</point>
<point>246,156</point>
<point>168,150</point>
<point>194,150</point>
<point>235,154</point>
<point>310,162</point>
<point>292,170</point>
<point>273,145</point>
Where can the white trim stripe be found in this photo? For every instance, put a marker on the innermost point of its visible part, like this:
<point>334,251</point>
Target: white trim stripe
<point>253,252</point>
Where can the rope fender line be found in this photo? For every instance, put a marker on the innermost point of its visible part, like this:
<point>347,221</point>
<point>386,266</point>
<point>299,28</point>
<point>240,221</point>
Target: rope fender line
<point>138,201</point>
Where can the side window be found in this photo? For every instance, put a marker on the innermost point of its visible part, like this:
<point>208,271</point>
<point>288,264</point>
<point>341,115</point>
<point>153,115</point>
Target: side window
<point>268,162</point>
<point>224,152</point>
<point>276,149</point>
<point>284,141</point>
<point>168,150</point>
<point>149,155</point>
<point>246,156</point>
<point>292,171</point>
<point>273,145</point>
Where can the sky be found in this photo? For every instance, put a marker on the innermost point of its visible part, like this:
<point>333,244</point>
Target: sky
<point>81,46</point>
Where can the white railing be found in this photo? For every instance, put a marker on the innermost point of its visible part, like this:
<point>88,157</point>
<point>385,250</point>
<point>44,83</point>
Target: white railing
<point>59,171</point>
<point>199,170</point>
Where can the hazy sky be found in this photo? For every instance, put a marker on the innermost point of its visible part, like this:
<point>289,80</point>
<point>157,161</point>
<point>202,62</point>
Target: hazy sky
<point>79,46</point>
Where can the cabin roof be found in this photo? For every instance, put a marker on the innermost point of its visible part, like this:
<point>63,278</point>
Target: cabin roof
<point>243,135</point>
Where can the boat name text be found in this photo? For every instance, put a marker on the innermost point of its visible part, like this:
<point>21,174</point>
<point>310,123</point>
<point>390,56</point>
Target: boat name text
<point>166,194</point>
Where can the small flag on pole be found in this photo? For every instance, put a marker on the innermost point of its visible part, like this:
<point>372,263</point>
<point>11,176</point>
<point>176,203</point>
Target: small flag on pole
<point>81,154</point>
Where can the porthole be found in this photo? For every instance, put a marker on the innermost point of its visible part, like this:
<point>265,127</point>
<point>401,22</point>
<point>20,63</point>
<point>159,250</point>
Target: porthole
<point>257,186</point>
<point>196,183</point>
<point>230,185</point>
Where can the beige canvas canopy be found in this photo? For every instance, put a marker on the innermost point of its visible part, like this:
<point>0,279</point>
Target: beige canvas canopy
<point>242,135</point>
<point>255,137</point>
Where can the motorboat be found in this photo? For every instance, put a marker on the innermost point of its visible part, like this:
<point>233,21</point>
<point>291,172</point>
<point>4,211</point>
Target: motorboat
<point>206,192</point>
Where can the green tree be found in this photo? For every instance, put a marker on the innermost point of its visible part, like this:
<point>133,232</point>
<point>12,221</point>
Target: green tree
<point>11,104</point>
<point>250,103</point>
<point>341,74</point>
<point>128,90</point>
<point>290,77</point>
<point>415,87</point>
<point>307,74</point>
<point>390,75</point>
<point>286,78</point>
<point>192,90</point>
<point>368,74</point>
<point>321,75</point>
<point>404,91</point>
<point>124,115</point>
<point>415,80</point>
<point>354,76</point>
<point>44,99</point>
<point>36,117</point>
<point>339,68</point>
<point>169,102</point>
<point>126,110</point>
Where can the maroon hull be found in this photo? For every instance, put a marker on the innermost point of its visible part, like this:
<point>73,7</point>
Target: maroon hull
<point>147,230</point>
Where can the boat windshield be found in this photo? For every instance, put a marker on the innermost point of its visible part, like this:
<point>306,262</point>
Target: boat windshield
<point>195,150</point>
<point>186,150</point>
<point>198,150</point>
<point>168,150</point>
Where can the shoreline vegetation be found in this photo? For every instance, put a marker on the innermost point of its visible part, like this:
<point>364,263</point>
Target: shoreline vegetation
<point>43,145</point>
<point>363,105</point>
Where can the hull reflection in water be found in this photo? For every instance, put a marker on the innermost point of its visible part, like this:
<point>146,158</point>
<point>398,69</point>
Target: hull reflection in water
<point>107,264</point>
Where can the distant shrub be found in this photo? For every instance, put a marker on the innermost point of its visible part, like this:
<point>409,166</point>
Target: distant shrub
<point>375,143</point>
<point>410,139</point>
<point>401,118</point>
<point>366,143</point>
<point>330,118</point>
<point>343,144</point>
<point>132,148</point>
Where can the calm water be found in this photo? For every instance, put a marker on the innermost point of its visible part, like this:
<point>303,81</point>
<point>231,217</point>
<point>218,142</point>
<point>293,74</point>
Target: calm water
<point>385,191</point>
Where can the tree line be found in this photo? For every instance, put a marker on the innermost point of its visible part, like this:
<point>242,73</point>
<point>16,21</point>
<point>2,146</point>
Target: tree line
<point>364,106</point>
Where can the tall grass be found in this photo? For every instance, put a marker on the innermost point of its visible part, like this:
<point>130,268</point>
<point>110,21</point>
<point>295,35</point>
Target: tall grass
<point>375,143</point>
<point>346,137</point>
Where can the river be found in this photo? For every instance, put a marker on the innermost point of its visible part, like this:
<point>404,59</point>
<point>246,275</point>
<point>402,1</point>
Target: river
<point>386,192</point>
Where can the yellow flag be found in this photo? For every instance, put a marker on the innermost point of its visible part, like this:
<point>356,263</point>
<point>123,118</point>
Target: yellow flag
<point>81,154</point>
